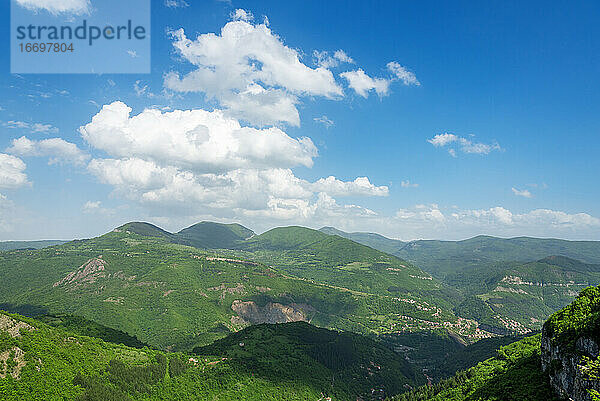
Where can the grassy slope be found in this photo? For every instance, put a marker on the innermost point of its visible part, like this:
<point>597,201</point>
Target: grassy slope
<point>300,364</point>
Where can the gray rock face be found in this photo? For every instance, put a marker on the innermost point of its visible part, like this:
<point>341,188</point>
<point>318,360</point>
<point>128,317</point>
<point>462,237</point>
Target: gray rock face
<point>566,370</point>
<point>272,312</point>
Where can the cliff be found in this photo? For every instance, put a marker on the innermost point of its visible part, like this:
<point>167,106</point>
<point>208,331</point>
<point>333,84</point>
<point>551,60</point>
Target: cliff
<point>570,348</point>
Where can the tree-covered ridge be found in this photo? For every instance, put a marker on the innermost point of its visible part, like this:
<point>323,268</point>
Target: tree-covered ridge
<point>85,327</point>
<point>341,365</point>
<point>285,362</point>
<point>515,374</point>
<point>519,297</point>
<point>581,318</point>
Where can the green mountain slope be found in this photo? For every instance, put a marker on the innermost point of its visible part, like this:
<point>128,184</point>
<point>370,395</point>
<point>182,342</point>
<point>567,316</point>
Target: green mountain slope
<point>286,362</point>
<point>211,235</point>
<point>514,374</point>
<point>522,296</point>
<point>173,296</point>
<point>146,230</point>
<point>563,360</point>
<point>343,364</point>
<point>373,240</point>
<point>441,258</point>
<point>337,261</point>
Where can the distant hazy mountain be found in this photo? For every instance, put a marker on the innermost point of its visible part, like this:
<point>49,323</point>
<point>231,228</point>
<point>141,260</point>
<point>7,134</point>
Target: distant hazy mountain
<point>442,257</point>
<point>377,241</point>
<point>10,245</point>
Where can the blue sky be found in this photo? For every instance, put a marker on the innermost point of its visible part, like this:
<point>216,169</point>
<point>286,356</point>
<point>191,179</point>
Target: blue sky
<point>486,122</point>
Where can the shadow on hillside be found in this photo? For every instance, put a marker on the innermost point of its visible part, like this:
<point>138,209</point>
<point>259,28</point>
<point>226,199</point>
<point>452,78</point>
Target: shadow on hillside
<point>522,381</point>
<point>25,309</point>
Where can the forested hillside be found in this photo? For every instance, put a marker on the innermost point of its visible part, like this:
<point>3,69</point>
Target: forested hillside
<point>294,361</point>
<point>140,279</point>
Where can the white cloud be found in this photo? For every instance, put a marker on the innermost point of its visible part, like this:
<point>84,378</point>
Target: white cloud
<point>408,184</point>
<point>195,139</point>
<point>142,90</point>
<point>96,208</point>
<point>55,7</point>
<point>132,53</point>
<point>464,145</point>
<point>326,60</point>
<point>325,121</point>
<point>432,221</point>
<point>12,172</point>
<point>401,73</point>
<point>176,3</point>
<point>36,128</point>
<point>524,193</point>
<point>190,161</point>
<point>57,149</point>
<point>249,71</point>
<point>242,15</point>
<point>362,83</point>
<point>361,186</point>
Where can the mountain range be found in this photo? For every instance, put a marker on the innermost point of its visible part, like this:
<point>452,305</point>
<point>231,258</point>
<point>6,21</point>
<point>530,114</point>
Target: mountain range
<point>211,287</point>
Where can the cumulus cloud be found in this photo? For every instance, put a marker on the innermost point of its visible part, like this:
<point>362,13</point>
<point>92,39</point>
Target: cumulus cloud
<point>96,208</point>
<point>12,172</point>
<point>33,127</point>
<point>328,123</point>
<point>524,193</point>
<point>241,15</point>
<point>55,7</point>
<point>432,221</point>
<point>195,160</point>
<point>361,186</point>
<point>250,72</point>
<point>57,149</point>
<point>464,145</point>
<point>363,83</point>
<point>327,60</point>
<point>196,139</point>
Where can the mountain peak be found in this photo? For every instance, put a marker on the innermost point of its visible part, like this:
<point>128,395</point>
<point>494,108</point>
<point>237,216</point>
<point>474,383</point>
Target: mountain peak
<point>208,234</point>
<point>145,229</point>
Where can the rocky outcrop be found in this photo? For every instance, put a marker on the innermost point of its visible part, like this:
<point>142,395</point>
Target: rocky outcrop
<point>272,312</point>
<point>88,272</point>
<point>13,327</point>
<point>567,367</point>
